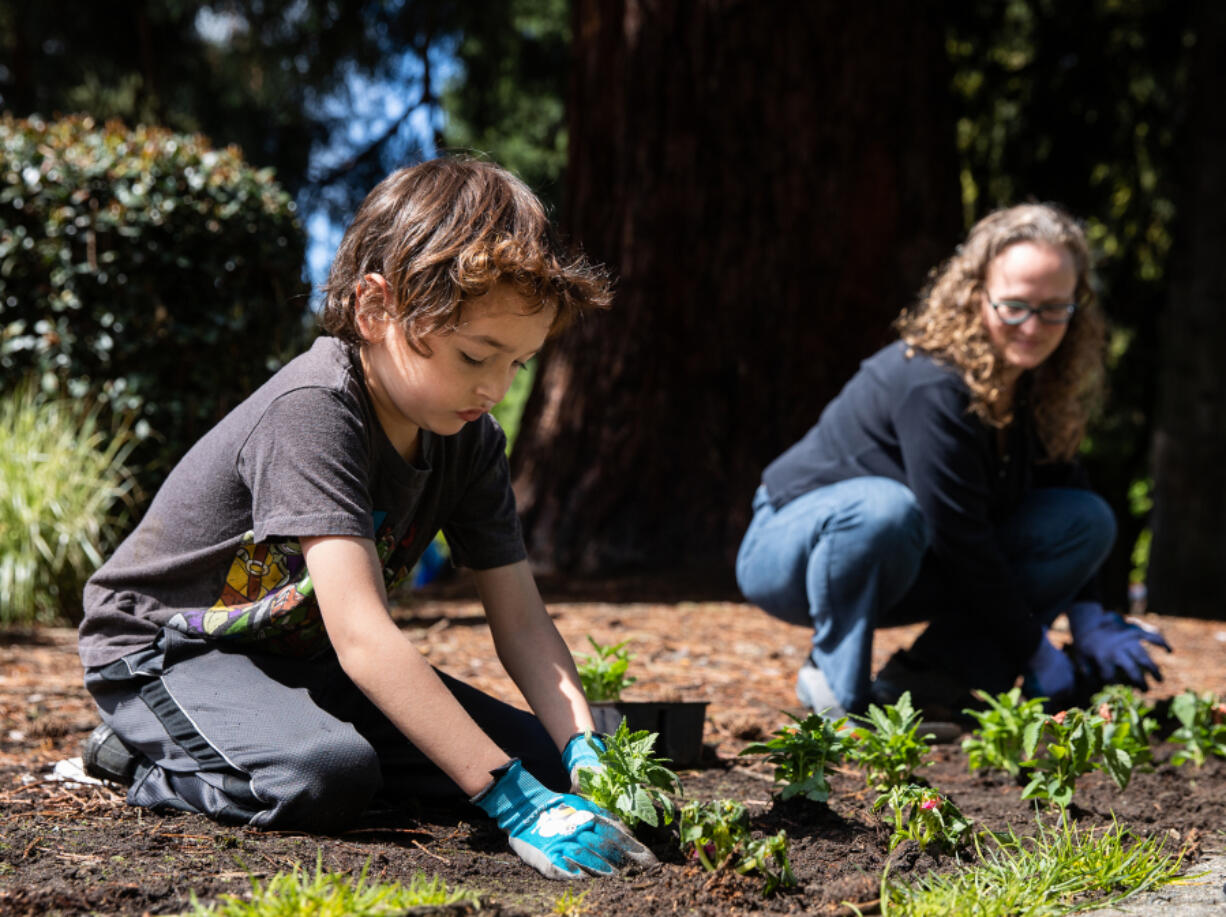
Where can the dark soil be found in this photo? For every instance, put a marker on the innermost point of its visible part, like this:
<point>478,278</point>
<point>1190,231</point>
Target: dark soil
<point>71,849</point>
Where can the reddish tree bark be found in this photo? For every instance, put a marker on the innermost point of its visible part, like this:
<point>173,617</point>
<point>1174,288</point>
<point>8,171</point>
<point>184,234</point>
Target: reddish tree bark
<point>1189,450</point>
<point>769,182</point>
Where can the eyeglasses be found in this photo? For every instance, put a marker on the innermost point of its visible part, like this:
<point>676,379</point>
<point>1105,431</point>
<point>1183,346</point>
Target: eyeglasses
<point>1015,312</point>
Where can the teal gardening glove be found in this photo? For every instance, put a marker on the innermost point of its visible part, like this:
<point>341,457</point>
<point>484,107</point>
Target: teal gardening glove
<point>560,835</point>
<point>580,753</point>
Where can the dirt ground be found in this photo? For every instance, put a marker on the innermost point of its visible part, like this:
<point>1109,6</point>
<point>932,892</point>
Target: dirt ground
<point>73,849</point>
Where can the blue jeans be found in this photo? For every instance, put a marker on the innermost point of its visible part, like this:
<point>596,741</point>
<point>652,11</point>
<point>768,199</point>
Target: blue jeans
<point>850,557</point>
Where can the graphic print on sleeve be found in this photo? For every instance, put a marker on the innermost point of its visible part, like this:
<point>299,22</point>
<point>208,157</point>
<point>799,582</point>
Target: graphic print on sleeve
<point>268,597</point>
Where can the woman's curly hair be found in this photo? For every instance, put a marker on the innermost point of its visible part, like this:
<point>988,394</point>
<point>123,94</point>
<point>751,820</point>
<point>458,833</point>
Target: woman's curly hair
<point>445,231</point>
<point>947,323</point>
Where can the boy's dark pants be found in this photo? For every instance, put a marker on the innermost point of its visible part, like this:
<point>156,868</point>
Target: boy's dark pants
<point>277,742</point>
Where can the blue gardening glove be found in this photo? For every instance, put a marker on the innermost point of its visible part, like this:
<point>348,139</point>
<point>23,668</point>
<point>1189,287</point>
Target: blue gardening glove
<point>1108,648</point>
<point>1050,674</point>
<point>579,753</point>
<point>560,835</point>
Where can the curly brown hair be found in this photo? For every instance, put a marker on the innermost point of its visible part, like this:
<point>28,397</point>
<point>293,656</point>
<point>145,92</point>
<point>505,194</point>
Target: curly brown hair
<point>445,231</point>
<point>947,323</point>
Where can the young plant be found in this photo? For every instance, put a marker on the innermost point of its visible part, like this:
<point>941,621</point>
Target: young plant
<point>603,674</point>
<point>923,815</point>
<point>633,784</point>
<point>1125,733</point>
<point>1202,727</point>
<point>1007,728</point>
<point>1073,739</point>
<point>717,834</point>
<point>802,752</point>
<point>891,750</point>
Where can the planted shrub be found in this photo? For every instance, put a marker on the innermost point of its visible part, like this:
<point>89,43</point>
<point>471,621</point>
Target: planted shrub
<point>1202,727</point>
<point>923,815</point>
<point>633,784</point>
<point>147,270</point>
<point>65,489</point>
<point>888,746</point>
<point>717,835</point>
<point>603,673</point>
<point>802,752</point>
<point>1007,728</point>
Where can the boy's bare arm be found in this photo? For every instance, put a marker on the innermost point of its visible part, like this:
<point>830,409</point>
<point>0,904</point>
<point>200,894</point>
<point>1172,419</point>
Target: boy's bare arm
<point>532,650</point>
<point>388,668</point>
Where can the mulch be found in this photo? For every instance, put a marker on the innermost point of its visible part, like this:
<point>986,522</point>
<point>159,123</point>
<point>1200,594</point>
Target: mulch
<point>73,849</point>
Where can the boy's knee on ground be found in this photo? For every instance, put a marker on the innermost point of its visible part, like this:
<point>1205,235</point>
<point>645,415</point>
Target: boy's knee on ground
<point>323,787</point>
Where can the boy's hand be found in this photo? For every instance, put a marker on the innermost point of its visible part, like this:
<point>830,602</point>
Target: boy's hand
<point>560,835</point>
<point>1110,649</point>
<point>579,753</point>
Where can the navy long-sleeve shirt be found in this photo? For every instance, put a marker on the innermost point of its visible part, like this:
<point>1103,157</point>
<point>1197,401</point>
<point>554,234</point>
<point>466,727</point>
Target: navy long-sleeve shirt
<point>907,419</point>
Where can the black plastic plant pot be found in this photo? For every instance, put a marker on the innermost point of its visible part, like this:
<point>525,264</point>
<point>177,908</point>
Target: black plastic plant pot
<point>679,724</point>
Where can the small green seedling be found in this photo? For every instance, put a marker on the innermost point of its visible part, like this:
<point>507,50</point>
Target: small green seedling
<point>1126,728</point>
<point>1073,739</point>
<point>1007,728</point>
<point>891,750</point>
<point>1202,727</point>
<point>802,752</point>
<point>603,674</point>
<point>569,904</point>
<point>633,784</point>
<point>717,834</point>
<point>923,815</point>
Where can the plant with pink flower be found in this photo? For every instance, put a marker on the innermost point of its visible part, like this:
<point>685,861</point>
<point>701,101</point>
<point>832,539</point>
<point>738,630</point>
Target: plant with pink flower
<point>1202,727</point>
<point>923,815</point>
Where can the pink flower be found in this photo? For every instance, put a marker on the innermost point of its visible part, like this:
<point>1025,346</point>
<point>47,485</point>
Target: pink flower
<point>1104,710</point>
<point>930,803</point>
<point>1059,717</point>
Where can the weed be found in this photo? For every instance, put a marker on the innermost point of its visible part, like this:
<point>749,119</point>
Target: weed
<point>1054,873</point>
<point>331,895</point>
<point>569,904</point>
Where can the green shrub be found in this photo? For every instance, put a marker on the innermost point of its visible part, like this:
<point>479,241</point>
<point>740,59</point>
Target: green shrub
<point>64,484</point>
<point>146,270</point>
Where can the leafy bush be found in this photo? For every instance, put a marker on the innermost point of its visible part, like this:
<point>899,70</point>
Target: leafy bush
<point>603,673</point>
<point>717,834</point>
<point>145,269</point>
<point>925,816</point>
<point>64,483</point>
<point>890,749</point>
<point>1202,727</point>
<point>802,752</point>
<point>634,783</point>
<point>1007,728</point>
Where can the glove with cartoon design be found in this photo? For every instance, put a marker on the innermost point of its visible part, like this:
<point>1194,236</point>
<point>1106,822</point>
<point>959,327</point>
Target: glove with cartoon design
<point>560,835</point>
<point>580,753</point>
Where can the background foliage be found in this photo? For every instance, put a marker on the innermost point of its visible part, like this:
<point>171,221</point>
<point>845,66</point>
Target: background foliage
<point>145,269</point>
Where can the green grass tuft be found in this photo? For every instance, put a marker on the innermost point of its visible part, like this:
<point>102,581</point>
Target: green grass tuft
<point>330,894</point>
<point>1061,871</point>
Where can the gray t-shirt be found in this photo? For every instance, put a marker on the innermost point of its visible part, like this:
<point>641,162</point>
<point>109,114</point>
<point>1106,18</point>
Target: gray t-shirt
<point>217,554</point>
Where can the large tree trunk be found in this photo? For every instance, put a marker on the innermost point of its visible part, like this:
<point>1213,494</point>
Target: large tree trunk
<point>1189,458</point>
<point>769,182</point>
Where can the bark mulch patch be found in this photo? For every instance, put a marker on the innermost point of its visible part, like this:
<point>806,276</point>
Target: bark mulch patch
<point>71,849</point>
